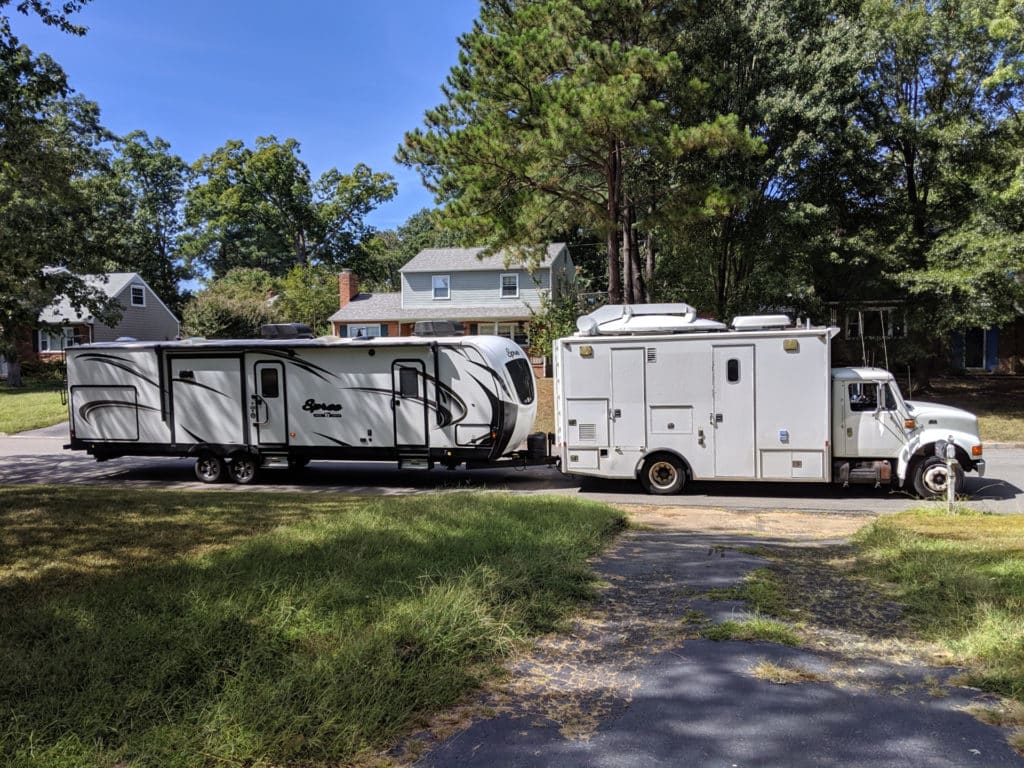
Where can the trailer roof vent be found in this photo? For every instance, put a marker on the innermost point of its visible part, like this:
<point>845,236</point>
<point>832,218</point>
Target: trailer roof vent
<point>761,322</point>
<point>286,331</point>
<point>437,328</point>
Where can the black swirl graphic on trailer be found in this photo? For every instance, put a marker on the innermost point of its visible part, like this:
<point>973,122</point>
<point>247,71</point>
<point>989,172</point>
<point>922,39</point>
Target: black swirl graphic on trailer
<point>117,362</point>
<point>445,415</point>
<point>497,376</point>
<point>305,365</point>
<point>200,386</point>
<point>194,436</point>
<point>333,440</point>
<point>95,405</point>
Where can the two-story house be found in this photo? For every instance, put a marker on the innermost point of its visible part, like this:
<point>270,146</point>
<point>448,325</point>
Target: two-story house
<point>144,316</point>
<point>455,284</point>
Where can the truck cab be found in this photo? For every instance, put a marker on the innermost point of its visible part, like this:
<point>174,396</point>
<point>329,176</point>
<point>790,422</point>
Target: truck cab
<point>877,434</point>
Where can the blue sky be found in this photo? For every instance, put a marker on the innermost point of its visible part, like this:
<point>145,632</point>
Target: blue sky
<point>346,78</point>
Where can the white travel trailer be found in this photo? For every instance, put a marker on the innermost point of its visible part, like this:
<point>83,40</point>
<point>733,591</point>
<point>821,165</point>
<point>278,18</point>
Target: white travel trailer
<point>653,393</point>
<point>236,405</point>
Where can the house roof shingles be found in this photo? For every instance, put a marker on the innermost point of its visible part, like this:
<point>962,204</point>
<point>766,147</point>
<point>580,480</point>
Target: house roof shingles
<point>62,311</point>
<point>382,307</point>
<point>468,260</point>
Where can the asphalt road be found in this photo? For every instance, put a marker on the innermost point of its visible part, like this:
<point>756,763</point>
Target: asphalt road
<point>38,457</point>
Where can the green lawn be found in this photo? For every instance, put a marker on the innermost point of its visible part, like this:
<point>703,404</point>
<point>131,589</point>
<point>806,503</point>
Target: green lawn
<point>30,408</point>
<point>210,628</point>
<point>962,579</point>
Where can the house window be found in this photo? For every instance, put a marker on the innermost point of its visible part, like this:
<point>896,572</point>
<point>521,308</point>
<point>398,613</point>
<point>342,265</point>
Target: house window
<point>138,296</point>
<point>359,331</point>
<point>51,340</point>
<point>442,286</point>
<point>875,323</point>
<point>509,286</point>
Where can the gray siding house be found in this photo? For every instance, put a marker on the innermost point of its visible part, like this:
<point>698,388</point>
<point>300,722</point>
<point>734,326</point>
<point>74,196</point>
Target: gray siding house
<point>145,317</point>
<point>455,284</point>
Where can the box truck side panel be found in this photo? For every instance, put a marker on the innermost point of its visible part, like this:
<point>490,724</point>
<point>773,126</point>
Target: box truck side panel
<point>793,427</point>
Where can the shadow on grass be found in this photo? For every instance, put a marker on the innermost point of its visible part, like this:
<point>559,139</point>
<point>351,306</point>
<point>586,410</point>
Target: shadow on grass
<point>309,643</point>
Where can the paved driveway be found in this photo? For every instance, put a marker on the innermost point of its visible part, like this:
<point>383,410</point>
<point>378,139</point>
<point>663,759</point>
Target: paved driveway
<point>38,457</point>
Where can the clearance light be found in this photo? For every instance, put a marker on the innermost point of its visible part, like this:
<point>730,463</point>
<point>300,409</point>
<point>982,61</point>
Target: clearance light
<point>909,423</point>
<point>976,450</point>
<point>291,434</point>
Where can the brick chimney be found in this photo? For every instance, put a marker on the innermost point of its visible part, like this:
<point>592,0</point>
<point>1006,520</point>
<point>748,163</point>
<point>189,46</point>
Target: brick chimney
<point>348,287</point>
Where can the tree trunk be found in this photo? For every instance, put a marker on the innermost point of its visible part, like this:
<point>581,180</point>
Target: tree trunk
<point>614,186</point>
<point>628,273</point>
<point>633,254</point>
<point>14,373</point>
<point>648,267</point>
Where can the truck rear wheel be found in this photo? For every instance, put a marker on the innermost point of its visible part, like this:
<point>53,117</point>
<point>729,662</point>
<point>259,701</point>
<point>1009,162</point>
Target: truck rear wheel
<point>663,474</point>
<point>931,478</point>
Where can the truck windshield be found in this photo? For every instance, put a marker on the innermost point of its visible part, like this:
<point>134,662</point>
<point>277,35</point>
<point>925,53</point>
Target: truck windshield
<point>522,378</point>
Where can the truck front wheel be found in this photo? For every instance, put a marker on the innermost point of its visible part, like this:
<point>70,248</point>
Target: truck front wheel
<point>662,474</point>
<point>931,478</point>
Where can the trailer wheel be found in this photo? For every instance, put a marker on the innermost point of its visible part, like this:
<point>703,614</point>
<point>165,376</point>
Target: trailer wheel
<point>210,468</point>
<point>662,474</point>
<point>931,478</point>
<point>242,468</point>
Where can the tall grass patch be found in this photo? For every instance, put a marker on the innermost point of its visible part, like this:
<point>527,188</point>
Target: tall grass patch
<point>962,580</point>
<point>192,629</point>
<point>30,408</point>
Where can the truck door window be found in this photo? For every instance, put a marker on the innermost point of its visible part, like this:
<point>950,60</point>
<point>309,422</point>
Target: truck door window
<point>732,370</point>
<point>863,397</point>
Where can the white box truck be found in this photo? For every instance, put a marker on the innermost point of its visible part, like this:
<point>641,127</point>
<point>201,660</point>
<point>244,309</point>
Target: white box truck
<point>651,392</point>
<point>237,405</point>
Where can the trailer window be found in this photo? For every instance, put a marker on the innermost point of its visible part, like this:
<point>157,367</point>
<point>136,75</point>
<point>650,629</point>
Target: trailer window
<point>732,370</point>
<point>408,382</point>
<point>269,387</point>
<point>522,379</point>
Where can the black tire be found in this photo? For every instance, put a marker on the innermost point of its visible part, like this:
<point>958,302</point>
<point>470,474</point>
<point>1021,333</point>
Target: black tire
<point>210,468</point>
<point>931,478</point>
<point>242,468</point>
<point>663,474</point>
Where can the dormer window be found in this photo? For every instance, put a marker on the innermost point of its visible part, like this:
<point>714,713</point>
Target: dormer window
<point>509,284</point>
<point>442,286</point>
<point>138,296</point>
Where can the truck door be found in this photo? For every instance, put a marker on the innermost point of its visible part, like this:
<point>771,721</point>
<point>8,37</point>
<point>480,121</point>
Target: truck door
<point>267,408</point>
<point>733,417</point>
<point>409,402</point>
<point>629,427</point>
<point>872,426</point>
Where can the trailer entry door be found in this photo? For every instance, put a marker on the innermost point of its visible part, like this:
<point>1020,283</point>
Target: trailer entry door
<point>268,407</point>
<point>409,402</point>
<point>733,415</point>
<point>629,427</point>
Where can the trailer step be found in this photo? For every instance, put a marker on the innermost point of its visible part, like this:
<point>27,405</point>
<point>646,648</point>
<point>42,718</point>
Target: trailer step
<point>415,460</point>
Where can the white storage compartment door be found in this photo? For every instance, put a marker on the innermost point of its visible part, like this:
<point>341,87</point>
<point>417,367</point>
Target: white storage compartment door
<point>207,402</point>
<point>733,417</point>
<point>587,422</point>
<point>105,413</point>
<point>628,407</point>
